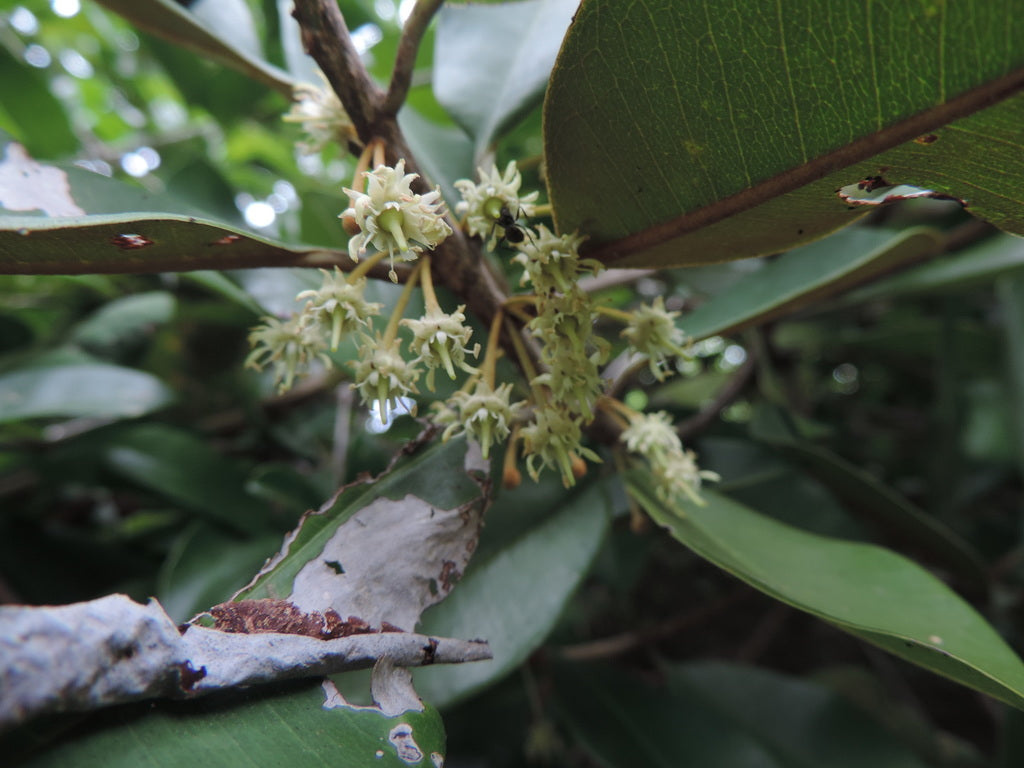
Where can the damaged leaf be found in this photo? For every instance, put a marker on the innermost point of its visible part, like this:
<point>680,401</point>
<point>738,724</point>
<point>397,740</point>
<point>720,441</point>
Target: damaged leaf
<point>382,552</point>
<point>753,119</point>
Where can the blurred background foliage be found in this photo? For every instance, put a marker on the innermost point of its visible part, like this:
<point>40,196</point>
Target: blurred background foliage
<point>147,461</point>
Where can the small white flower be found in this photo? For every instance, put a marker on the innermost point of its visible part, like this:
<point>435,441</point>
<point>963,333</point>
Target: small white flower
<point>652,332</point>
<point>552,262</point>
<point>321,115</point>
<point>382,374</point>
<point>339,305</point>
<point>486,414</point>
<point>392,218</point>
<point>441,340</point>
<point>288,345</point>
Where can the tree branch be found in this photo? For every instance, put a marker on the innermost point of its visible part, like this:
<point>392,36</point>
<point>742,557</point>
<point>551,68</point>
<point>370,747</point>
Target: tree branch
<point>326,39</point>
<point>113,650</point>
<point>412,35</point>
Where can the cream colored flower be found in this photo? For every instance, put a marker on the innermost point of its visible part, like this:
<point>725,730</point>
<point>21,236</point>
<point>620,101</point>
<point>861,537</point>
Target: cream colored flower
<point>486,414</point>
<point>440,340</point>
<point>483,202</point>
<point>339,305</point>
<point>288,345</point>
<point>392,218</point>
<point>321,115</point>
<point>382,374</point>
<point>652,332</point>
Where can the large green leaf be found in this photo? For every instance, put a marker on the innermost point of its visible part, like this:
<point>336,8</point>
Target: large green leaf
<point>187,471</point>
<point>170,21</point>
<point>291,728</point>
<point>57,219</point>
<point>979,264</point>
<point>753,114</point>
<point>515,595</point>
<point>866,590</point>
<point>807,276</point>
<point>492,62</point>
<point>94,390</point>
<point>720,715</point>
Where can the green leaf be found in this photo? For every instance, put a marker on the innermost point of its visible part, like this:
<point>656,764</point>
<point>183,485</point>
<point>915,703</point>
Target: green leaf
<point>714,714</point>
<point>92,390</point>
<point>875,502</point>
<point>514,597</point>
<point>205,567</point>
<point>170,21</point>
<point>124,321</point>
<point>58,219</point>
<point>808,275</point>
<point>753,115</point>
<point>492,62</point>
<point>977,265</point>
<point>290,728</point>
<point>31,112</point>
<point>187,471</point>
<point>863,589</point>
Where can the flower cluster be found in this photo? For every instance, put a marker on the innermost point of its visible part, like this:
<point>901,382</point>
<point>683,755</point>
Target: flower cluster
<point>392,218</point>
<point>566,392</point>
<point>675,470</point>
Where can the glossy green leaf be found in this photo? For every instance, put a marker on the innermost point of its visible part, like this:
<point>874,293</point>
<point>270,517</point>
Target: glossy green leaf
<point>124,321</point>
<point>290,728</point>
<point>31,112</point>
<point>514,595</point>
<point>808,275</point>
<point>170,21</point>
<point>206,566</point>
<point>977,265</point>
<point>876,503</point>
<point>187,471</point>
<point>92,390</point>
<point>1010,290</point>
<point>720,715</point>
<point>492,63</point>
<point>754,114</point>
<point>866,590</point>
<point>60,219</point>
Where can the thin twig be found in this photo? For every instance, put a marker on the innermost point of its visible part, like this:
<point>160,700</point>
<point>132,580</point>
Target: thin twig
<point>726,395</point>
<point>616,645</point>
<point>412,34</point>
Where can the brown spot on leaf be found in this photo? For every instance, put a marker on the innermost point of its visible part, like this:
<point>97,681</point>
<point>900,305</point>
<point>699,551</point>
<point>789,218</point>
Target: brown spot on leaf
<point>871,183</point>
<point>188,677</point>
<point>928,138</point>
<point>449,575</point>
<point>131,242</point>
<point>269,615</point>
<point>227,240</point>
